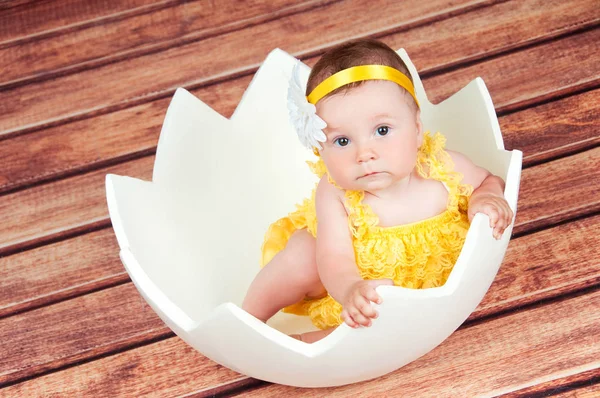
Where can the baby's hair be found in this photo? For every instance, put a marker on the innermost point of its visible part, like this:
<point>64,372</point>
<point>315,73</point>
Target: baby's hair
<point>354,53</point>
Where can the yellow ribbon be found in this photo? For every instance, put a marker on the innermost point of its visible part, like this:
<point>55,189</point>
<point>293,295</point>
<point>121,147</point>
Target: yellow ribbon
<point>360,73</point>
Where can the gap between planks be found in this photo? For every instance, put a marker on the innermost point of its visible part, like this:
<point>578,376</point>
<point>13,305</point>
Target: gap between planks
<point>156,47</point>
<point>73,27</point>
<point>535,100</point>
<point>242,71</point>
<point>584,380</point>
<point>482,315</point>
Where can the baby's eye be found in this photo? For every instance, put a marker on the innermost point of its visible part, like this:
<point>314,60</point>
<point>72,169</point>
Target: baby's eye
<point>383,130</point>
<point>342,141</point>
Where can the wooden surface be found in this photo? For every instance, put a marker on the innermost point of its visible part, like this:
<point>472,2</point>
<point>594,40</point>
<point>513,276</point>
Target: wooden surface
<point>83,91</point>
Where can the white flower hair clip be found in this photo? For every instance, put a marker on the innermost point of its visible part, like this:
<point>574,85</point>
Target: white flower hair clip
<point>303,115</point>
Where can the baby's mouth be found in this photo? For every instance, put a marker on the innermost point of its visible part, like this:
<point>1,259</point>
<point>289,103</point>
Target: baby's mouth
<point>373,173</point>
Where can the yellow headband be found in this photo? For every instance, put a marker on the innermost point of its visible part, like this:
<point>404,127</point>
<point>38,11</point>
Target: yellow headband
<point>360,73</point>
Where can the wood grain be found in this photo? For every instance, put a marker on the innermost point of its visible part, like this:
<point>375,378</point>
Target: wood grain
<point>78,203</point>
<point>498,356</point>
<point>67,332</point>
<point>491,358</point>
<point>576,385</point>
<point>63,207</point>
<point>522,280</point>
<point>133,131</point>
<point>554,192</point>
<point>58,271</point>
<point>167,368</point>
<point>549,70</point>
<point>553,129</point>
<point>589,391</point>
<point>150,32</point>
<point>71,323</point>
<point>38,17</point>
<point>152,76</point>
<point>488,31</point>
<point>545,265</point>
<point>71,267</point>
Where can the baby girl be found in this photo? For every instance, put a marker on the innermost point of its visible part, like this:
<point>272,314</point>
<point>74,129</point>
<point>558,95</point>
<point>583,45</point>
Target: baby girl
<point>392,206</point>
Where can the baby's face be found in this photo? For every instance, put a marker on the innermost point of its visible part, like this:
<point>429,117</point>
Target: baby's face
<point>373,134</point>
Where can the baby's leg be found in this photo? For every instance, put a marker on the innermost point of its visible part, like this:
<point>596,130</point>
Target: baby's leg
<point>311,337</point>
<point>288,278</point>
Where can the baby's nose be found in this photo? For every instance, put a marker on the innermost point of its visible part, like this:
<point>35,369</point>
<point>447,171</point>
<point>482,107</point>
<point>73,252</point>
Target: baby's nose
<point>365,154</point>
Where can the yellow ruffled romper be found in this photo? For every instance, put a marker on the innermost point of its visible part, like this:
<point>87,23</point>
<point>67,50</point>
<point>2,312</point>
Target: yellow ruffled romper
<point>417,255</point>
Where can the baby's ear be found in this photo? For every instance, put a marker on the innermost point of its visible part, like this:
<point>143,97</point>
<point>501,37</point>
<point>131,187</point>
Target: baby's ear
<point>419,125</point>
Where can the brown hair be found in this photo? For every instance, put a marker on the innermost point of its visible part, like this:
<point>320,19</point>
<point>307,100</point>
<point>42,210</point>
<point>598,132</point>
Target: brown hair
<point>354,53</point>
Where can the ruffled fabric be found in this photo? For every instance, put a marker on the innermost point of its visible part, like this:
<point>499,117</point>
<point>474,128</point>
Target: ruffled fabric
<point>418,255</point>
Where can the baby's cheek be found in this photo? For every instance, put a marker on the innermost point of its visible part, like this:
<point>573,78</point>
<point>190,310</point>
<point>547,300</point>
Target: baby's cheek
<point>338,174</point>
<point>405,159</point>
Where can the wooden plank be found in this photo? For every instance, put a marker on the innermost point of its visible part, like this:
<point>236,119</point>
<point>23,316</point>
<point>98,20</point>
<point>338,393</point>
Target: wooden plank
<point>30,18</point>
<point>522,281</point>
<point>553,129</point>
<point>576,385</point>
<point>545,265</point>
<point>566,67</point>
<point>162,79</point>
<point>156,75</point>
<point>58,271</point>
<point>105,139</point>
<point>168,368</point>
<point>501,355</point>
<point>55,272</point>
<point>590,391</point>
<point>122,38</point>
<point>85,144</point>
<point>63,207</point>
<point>484,32</point>
<point>85,327</point>
<point>551,193</point>
<point>78,203</point>
<point>6,4</point>
<point>491,358</point>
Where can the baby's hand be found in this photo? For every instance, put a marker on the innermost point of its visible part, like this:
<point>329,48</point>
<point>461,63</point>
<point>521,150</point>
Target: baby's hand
<point>358,310</point>
<point>497,209</point>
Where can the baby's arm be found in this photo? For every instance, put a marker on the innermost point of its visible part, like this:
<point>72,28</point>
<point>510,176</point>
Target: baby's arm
<point>488,194</point>
<point>335,259</point>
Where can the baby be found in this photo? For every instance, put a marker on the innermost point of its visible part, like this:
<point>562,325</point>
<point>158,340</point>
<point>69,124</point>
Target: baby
<point>392,205</point>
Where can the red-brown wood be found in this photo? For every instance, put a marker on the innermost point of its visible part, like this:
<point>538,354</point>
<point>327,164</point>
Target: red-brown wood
<point>53,272</point>
<point>554,129</point>
<point>78,203</point>
<point>529,274</point>
<point>544,265</point>
<point>586,391</point>
<point>61,208</point>
<point>567,126</point>
<point>577,385</point>
<point>553,340</point>
<point>166,368</point>
<point>559,190</point>
<point>549,70</point>
<point>74,50</point>
<point>64,333</point>
<point>26,18</point>
<point>147,77</point>
<point>134,131</point>
<point>488,31</point>
<point>71,323</point>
